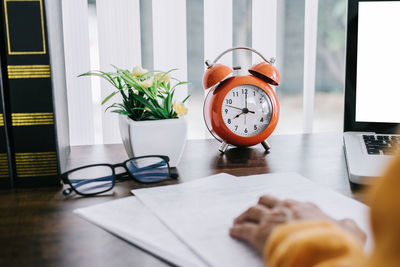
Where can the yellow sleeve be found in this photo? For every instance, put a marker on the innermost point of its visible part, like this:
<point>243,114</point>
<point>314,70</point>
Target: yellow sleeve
<point>312,243</point>
<point>385,218</point>
<point>323,244</point>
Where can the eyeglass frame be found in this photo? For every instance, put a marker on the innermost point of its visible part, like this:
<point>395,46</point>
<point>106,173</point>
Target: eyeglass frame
<point>64,176</point>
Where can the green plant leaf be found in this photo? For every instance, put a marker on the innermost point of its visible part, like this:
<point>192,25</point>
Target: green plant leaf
<point>166,103</point>
<point>119,83</point>
<point>110,78</point>
<point>186,98</point>
<point>123,112</point>
<point>168,72</point>
<point>101,74</point>
<point>114,105</point>
<point>163,113</point>
<point>144,102</point>
<point>169,101</point>
<point>109,97</point>
<point>178,84</point>
<point>138,109</point>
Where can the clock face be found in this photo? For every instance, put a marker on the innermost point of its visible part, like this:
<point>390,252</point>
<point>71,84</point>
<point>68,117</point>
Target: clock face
<point>247,110</point>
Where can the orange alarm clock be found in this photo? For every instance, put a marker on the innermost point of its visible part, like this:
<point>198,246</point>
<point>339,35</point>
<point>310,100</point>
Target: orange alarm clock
<point>241,110</point>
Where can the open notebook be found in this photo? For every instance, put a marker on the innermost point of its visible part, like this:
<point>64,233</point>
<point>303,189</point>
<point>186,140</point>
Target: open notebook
<point>187,224</point>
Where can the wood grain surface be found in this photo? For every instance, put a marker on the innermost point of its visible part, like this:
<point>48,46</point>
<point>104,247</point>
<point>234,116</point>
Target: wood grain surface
<point>38,228</point>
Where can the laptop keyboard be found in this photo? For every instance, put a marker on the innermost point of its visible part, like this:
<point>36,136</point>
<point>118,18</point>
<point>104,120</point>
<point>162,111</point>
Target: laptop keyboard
<point>382,144</point>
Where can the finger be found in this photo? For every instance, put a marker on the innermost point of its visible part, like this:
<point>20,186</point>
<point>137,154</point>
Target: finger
<point>289,203</point>
<point>268,201</point>
<point>245,231</point>
<point>311,204</point>
<point>253,214</point>
<point>281,214</point>
<point>352,227</point>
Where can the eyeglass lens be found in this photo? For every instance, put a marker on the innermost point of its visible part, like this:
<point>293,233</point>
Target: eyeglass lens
<point>92,180</point>
<point>148,169</point>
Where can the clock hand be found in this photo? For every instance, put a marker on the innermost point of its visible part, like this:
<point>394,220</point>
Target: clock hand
<point>244,111</point>
<point>233,107</point>
<point>245,104</point>
<point>237,116</point>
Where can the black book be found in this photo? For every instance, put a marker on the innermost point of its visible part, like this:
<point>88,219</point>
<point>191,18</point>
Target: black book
<point>6,162</point>
<point>5,174</point>
<point>36,88</point>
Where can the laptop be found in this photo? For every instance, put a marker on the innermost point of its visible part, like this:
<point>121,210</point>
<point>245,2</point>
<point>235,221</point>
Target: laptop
<point>372,88</point>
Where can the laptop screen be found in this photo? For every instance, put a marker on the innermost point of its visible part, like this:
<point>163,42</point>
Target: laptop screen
<point>378,62</point>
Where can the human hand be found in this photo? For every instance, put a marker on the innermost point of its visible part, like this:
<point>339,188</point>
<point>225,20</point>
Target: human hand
<point>256,224</point>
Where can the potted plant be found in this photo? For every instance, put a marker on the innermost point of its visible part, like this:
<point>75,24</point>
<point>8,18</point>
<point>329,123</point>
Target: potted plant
<point>150,122</point>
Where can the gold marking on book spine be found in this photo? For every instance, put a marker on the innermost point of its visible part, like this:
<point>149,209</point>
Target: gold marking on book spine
<point>3,166</point>
<point>28,165</point>
<point>1,120</point>
<point>34,154</point>
<point>37,174</point>
<point>43,160</point>
<point>28,71</point>
<point>36,164</point>
<point>8,31</point>
<point>35,170</point>
<point>27,119</point>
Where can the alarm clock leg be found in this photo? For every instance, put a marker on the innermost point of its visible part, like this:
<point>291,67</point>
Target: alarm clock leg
<point>223,147</point>
<point>266,145</point>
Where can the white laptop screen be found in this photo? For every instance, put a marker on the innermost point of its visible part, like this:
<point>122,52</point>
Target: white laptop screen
<point>378,62</point>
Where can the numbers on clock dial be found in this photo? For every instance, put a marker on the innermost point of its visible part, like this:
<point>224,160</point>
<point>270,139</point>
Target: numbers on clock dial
<point>247,110</point>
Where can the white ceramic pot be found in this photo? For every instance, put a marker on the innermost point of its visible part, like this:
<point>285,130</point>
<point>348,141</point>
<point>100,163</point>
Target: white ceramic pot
<point>155,137</point>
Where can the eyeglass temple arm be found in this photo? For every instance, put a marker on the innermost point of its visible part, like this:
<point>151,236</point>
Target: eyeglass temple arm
<point>155,165</point>
<point>81,182</point>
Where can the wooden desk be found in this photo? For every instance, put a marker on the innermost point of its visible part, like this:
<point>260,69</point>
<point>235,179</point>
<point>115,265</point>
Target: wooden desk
<point>38,228</point>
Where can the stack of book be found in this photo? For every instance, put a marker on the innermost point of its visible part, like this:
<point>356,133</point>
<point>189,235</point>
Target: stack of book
<point>6,173</point>
<point>34,143</point>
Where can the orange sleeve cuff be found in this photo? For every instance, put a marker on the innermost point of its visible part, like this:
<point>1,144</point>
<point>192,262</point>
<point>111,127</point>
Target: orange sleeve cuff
<point>311,243</point>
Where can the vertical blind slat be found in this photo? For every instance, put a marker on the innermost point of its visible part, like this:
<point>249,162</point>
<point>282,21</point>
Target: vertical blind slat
<point>310,56</point>
<point>119,44</point>
<point>218,29</point>
<point>218,33</point>
<point>169,40</point>
<point>77,61</point>
<point>264,24</point>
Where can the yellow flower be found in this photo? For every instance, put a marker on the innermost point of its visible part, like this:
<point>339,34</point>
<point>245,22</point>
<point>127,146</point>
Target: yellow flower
<point>147,83</point>
<point>180,109</point>
<point>166,78</point>
<point>138,71</point>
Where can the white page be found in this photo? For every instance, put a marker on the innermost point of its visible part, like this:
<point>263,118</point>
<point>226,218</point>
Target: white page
<point>130,220</point>
<point>201,212</point>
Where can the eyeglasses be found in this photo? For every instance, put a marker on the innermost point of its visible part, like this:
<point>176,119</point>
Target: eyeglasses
<point>99,178</point>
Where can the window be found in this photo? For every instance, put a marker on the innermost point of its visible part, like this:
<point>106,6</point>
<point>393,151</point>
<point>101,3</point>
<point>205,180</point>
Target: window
<point>241,27</point>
